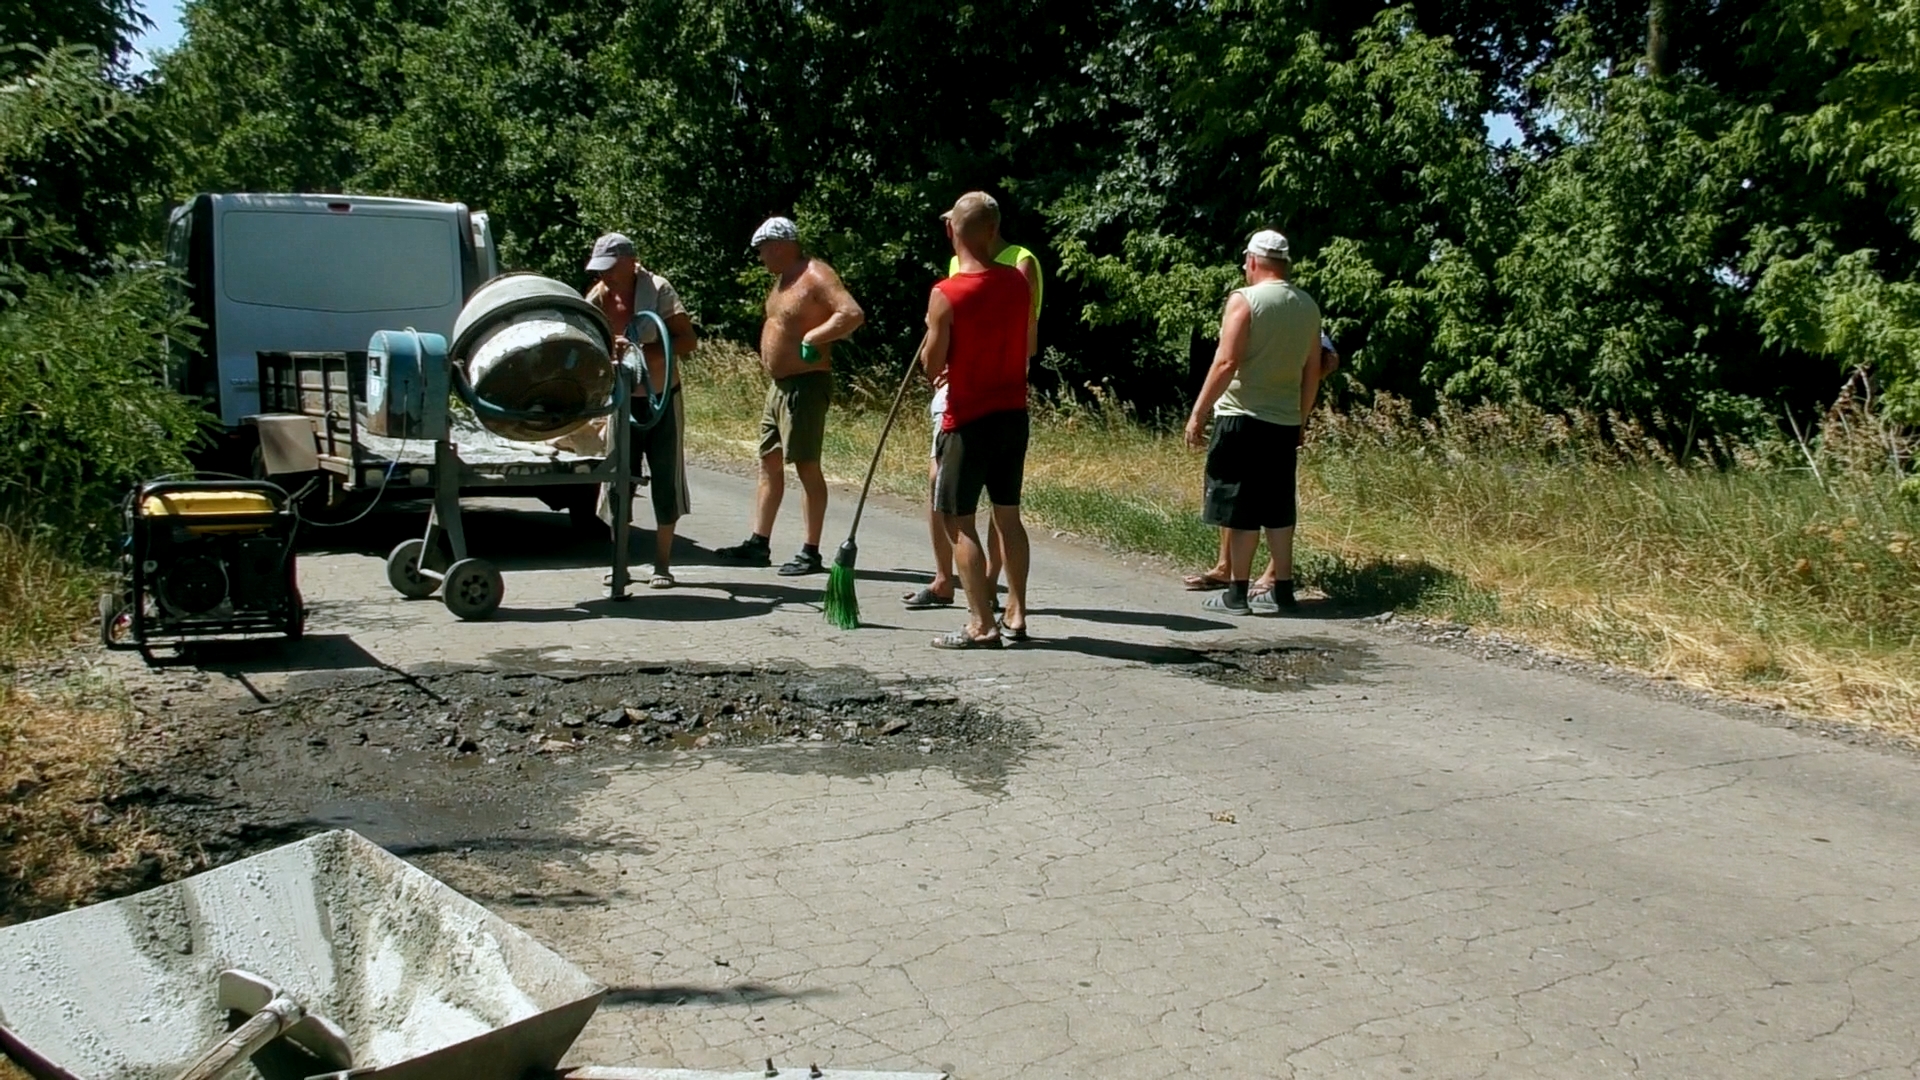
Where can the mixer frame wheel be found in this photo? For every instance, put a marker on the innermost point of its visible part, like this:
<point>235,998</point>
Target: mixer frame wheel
<point>403,570</point>
<point>472,589</point>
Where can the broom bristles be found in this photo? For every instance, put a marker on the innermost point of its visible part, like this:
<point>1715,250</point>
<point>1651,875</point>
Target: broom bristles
<point>842,604</point>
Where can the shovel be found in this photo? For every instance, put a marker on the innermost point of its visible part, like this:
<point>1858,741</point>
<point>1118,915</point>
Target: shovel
<point>271,1014</point>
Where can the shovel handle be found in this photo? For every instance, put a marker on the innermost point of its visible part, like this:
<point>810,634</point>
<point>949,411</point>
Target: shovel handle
<point>232,1051</point>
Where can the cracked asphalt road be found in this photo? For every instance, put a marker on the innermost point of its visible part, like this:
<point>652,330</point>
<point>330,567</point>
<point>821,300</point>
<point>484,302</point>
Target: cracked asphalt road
<point>1426,866</point>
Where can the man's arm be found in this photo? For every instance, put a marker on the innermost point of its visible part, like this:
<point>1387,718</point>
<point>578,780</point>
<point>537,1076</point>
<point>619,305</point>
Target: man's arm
<point>1031,271</point>
<point>846,317</point>
<point>1234,327</point>
<point>680,332</point>
<point>1309,386</point>
<point>939,339</point>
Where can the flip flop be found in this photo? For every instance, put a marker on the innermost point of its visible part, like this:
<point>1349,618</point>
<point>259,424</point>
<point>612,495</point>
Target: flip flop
<point>661,579</point>
<point>1203,582</point>
<point>926,598</point>
<point>1012,635</point>
<point>959,640</point>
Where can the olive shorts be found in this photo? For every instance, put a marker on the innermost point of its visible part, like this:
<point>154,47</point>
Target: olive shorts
<point>795,421</point>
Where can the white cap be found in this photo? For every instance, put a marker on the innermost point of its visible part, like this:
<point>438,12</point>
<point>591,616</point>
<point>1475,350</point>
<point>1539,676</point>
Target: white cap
<point>774,228</point>
<point>1268,245</point>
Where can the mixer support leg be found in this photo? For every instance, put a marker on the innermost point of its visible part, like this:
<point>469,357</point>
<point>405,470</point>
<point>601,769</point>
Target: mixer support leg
<point>621,493</point>
<point>446,500</point>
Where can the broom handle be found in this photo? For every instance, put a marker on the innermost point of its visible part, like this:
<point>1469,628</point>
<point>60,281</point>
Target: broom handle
<point>861,506</point>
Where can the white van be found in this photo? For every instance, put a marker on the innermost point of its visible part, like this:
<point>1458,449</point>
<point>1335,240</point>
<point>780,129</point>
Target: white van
<point>313,273</point>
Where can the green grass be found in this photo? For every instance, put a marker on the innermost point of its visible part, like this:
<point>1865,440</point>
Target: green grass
<point>1753,577</point>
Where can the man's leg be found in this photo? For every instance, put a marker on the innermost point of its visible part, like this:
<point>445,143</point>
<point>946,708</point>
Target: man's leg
<point>756,550</point>
<point>1240,545</point>
<point>1012,533</point>
<point>970,559</point>
<point>813,485</point>
<point>805,435</point>
<point>773,487</point>
<point>667,458</point>
<point>996,553</point>
<point>942,583</point>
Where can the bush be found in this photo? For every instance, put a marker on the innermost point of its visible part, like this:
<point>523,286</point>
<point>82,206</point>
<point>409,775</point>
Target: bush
<point>84,413</point>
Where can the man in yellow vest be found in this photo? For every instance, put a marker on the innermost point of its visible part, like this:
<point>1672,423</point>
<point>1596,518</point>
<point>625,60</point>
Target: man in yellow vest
<point>1259,393</point>
<point>939,592</point>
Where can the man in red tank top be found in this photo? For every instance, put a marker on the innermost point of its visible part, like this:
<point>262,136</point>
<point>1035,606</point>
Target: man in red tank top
<point>978,335</point>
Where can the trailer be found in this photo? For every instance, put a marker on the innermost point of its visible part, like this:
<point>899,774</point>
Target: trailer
<point>314,423</point>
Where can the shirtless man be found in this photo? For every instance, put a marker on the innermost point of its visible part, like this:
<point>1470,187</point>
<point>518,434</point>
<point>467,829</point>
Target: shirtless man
<point>808,309</point>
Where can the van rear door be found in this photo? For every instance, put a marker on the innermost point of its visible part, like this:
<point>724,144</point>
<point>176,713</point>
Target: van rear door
<point>322,273</point>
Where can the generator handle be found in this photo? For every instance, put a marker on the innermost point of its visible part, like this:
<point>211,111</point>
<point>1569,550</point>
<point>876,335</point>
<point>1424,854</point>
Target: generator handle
<point>168,487</point>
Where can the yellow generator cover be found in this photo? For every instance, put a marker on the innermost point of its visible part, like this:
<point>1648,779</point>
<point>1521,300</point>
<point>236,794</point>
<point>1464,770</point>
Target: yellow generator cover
<point>207,504</point>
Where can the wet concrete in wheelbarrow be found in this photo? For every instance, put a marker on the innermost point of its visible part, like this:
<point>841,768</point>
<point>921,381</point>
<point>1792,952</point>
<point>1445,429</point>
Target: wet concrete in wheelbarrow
<point>472,773</point>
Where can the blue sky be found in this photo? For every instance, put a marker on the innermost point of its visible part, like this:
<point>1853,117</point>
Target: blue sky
<point>164,35</point>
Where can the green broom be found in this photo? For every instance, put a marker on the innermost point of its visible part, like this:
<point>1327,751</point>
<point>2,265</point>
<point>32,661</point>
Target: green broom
<point>842,604</point>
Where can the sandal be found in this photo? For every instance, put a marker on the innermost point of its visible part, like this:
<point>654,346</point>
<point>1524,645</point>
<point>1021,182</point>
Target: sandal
<point>959,639</point>
<point>1012,635</point>
<point>1204,582</point>
<point>803,562</point>
<point>926,598</point>
<point>661,579</point>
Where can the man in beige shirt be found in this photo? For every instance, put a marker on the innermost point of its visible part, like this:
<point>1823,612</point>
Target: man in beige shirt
<point>807,310</point>
<point>1259,393</point>
<point>623,289</point>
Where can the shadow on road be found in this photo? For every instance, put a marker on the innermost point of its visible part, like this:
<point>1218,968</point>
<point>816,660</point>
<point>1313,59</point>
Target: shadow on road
<point>1163,620</point>
<point>664,995</point>
<point>1129,651</point>
<point>316,652</point>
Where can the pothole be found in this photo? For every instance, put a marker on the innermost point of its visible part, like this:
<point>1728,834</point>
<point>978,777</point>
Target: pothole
<point>1280,667</point>
<point>482,767</point>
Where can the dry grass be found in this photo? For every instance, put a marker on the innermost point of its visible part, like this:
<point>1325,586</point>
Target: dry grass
<point>1740,569</point>
<point>60,842</point>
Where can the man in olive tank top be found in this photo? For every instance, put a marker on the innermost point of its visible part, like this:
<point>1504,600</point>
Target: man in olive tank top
<point>1259,393</point>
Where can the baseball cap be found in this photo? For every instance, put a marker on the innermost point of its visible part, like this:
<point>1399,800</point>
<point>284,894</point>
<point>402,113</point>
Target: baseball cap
<point>1268,245</point>
<point>774,228</point>
<point>974,206</point>
<point>607,250</point>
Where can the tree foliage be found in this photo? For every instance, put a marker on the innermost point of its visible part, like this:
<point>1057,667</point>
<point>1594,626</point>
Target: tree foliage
<point>1713,216</point>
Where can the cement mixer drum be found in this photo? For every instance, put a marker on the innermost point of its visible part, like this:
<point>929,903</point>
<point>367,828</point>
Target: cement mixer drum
<point>530,344</point>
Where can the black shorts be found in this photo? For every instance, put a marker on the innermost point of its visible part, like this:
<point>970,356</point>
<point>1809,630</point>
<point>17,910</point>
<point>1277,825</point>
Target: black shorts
<point>1250,474</point>
<point>663,446</point>
<point>989,453</point>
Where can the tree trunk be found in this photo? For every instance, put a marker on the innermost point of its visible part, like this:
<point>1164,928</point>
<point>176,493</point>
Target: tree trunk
<point>1659,45</point>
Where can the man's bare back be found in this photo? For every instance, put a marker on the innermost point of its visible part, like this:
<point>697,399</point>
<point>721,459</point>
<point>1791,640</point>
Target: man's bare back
<point>798,304</point>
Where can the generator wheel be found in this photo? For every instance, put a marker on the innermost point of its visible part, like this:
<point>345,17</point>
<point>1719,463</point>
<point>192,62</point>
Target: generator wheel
<point>473,589</point>
<point>403,571</point>
<point>110,613</point>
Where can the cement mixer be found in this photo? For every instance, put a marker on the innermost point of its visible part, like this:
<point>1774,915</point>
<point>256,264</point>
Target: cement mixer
<point>532,360</point>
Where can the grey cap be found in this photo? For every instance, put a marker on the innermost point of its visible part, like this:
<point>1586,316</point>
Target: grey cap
<point>774,228</point>
<point>1268,245</point>
<point>609,249</point>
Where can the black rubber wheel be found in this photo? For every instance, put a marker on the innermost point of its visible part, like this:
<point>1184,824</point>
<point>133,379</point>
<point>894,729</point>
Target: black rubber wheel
<point>403,570</point>
<point>109,608</point>
<point>473,589</point>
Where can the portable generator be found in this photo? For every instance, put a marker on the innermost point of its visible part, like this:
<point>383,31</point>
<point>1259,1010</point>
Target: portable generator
<point>203,558</point>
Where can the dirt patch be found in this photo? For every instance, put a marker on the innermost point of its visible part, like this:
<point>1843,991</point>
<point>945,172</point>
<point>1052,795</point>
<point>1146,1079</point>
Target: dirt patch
<point>1280,667</point>
<point>471,773</point>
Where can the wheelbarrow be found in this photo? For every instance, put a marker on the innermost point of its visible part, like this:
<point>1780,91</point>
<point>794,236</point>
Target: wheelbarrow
<point>424,983</point>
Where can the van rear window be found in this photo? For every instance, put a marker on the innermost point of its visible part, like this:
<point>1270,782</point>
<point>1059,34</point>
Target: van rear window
<point>339,262</point>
